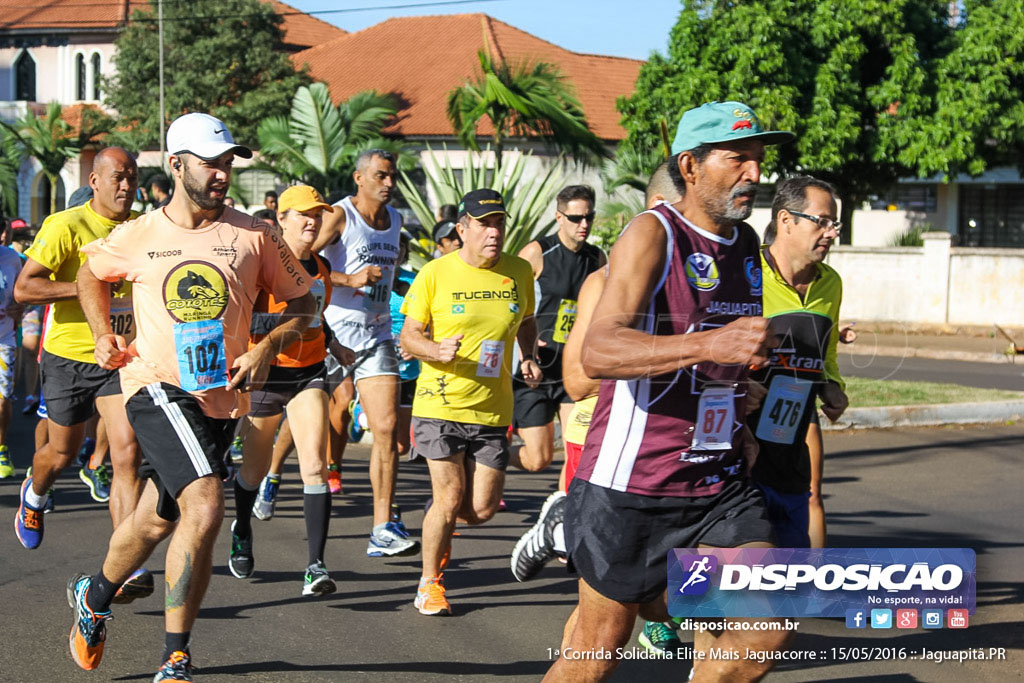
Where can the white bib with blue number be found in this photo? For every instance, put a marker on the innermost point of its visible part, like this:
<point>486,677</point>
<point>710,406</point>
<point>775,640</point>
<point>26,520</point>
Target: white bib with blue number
<point>201,361</point>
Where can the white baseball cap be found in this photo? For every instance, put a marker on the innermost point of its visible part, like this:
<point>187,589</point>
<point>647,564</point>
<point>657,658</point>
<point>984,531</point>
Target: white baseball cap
<point>203,135</point>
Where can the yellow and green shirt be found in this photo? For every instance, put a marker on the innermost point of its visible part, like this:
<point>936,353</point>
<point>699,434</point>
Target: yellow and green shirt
<point>486,305</point>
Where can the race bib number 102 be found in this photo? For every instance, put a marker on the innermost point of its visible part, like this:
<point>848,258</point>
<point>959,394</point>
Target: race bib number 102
<point>201,361</point>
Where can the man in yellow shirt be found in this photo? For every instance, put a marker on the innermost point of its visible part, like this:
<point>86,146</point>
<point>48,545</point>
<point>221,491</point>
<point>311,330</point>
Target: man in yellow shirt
<point>476,303</point>
<point>73,384</point>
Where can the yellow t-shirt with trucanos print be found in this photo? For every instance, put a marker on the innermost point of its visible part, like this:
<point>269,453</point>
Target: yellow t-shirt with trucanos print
<point>487,305</point>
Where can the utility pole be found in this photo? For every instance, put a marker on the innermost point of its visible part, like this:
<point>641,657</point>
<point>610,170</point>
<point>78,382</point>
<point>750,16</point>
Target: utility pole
<point>160,43</point>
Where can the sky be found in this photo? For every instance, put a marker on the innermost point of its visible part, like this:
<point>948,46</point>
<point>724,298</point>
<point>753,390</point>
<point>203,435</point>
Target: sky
<point>611,27</point>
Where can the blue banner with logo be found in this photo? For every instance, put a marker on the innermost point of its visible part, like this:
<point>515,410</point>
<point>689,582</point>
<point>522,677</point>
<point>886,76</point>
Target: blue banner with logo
<point>817,582</point>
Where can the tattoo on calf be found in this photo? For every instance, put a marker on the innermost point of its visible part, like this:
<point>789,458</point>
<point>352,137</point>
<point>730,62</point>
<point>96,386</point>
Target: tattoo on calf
<point>177,593</point>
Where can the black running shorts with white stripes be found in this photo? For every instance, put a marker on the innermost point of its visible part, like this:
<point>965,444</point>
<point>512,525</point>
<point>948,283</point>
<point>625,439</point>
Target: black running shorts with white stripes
<point>179,442</point>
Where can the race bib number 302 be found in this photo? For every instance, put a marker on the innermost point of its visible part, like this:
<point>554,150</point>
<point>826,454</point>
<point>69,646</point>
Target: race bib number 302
<point>716,412</point>
<point>201,361</point>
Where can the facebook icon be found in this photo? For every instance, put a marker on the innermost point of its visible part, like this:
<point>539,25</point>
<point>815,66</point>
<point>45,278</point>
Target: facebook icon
<point>855,618</point>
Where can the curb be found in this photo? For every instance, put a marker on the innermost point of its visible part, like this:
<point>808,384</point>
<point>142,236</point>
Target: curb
<point>925,415</point>
<point>935,354</point>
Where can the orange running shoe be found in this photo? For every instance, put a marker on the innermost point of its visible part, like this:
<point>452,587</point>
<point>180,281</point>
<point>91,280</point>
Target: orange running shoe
<point>334,479</point>
<point>430,598</point>
<point>89,630</point>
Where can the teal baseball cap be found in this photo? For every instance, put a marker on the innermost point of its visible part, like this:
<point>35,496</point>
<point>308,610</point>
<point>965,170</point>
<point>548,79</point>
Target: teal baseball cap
<point>716,122</point>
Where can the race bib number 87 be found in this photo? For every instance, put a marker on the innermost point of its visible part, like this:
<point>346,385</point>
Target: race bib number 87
<point>716,412</point>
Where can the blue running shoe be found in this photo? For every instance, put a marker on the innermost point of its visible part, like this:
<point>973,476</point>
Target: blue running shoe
<point>28,523</point>
<point>236,450</point>
<point>138,585</point>
<point>263,508</point>
<point>393,539</point>
<point>89,631</point>
<point>86,451</point>
<point>98,481</point>
<point>51,495</point>
<point>357,424</point>
<point>178,667</point>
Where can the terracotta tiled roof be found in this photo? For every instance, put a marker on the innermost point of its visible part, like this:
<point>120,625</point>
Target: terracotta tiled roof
<point>300,30</point>
<point>303,30</point>
<point>420,59</point>
<point>51,14</point>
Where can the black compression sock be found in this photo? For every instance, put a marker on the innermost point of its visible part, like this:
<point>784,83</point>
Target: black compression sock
<point>244,499</point>
<point>317,510</point>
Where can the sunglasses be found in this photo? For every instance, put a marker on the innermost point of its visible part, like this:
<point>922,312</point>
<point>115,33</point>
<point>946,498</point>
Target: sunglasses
<point>578,218</point>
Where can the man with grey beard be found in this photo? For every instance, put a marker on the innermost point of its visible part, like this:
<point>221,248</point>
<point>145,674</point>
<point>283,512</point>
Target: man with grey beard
<point>672,338</point>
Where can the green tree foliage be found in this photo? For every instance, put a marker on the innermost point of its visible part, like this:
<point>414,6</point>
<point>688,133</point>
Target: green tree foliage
<point>52,141</point>
<point>11,155</point>
<point>522,100</point>
<point>528,197</point>
<point>225,58</point>
<point>874,89</point>
<point>318,142</point>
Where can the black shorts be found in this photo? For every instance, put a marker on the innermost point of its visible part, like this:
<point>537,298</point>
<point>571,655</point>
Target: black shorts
<point>619,542</point>
<point>284,384</point>
<point>538,407</point>
<point>406,392</point>
<point>71,387</point>
<point>435,439</point>
<point>179,442</point>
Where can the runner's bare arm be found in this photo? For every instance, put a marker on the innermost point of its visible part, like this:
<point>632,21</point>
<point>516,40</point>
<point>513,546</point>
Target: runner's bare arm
<point>575,381</point>
<point>249,371</point>
<point>94,295</point>
<point>367,276</point>
<point>533,254</point>
<point>527,338</point>
<point>613,349</point>
<point>34,285</point>
<point>333,226</point>
<point>417,344</point>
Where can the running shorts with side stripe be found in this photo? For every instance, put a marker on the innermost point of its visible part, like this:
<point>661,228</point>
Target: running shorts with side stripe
<point>179,442</point>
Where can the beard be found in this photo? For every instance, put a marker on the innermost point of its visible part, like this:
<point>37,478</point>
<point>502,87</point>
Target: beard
<point>198,194</point>
<point>723,210</point>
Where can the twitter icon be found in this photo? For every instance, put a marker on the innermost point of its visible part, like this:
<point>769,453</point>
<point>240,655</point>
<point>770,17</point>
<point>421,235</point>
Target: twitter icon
<point>881,618</point>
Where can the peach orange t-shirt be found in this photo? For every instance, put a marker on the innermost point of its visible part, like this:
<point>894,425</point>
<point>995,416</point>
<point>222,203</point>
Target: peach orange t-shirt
<point>181,277</point>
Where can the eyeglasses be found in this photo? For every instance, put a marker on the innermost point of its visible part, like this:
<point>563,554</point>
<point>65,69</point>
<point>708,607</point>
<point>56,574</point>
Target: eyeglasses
<point>823,222</point>
<point>578,218</point>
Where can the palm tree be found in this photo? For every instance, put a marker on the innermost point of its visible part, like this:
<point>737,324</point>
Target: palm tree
<point>527,99</point>
<point>319,142</point>
<point>11,155</point>
<point>50,140</point>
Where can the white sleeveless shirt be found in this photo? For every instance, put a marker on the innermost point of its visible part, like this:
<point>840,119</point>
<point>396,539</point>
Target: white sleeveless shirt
<point>361,318</point>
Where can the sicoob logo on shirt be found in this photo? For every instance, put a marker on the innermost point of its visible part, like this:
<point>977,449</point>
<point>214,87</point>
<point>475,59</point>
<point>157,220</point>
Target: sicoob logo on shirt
<point>195,290</point>
<point>702,272</point>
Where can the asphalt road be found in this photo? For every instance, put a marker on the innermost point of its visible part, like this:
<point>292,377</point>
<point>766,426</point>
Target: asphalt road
<point>955,487</point>
<point>985,375</point>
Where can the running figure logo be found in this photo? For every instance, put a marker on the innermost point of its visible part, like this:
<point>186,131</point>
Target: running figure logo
<point>699,567</point>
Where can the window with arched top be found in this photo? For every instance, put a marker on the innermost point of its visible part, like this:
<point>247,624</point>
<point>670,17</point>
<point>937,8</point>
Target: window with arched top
<point>80,85</point>
<point>25,77</point>
<point>96,76</point>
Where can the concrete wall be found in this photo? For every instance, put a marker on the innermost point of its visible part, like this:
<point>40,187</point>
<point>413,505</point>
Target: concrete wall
<point>934,284</point>
<point>55,70</point>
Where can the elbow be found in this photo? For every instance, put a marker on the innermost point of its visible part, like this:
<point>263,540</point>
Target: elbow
<point>597,365</point>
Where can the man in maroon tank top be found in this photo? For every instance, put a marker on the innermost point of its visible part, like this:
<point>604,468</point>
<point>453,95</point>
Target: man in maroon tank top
<point>672,338</point>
